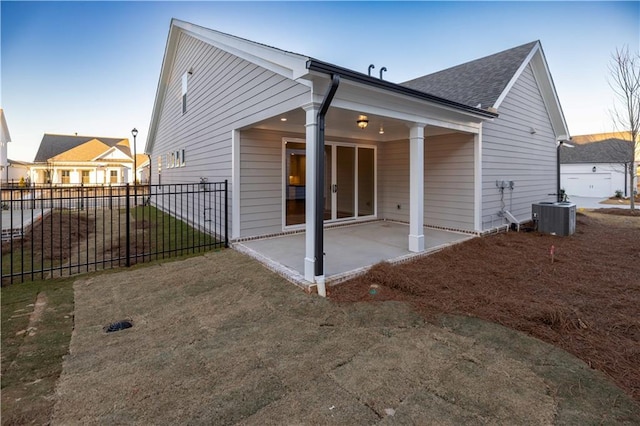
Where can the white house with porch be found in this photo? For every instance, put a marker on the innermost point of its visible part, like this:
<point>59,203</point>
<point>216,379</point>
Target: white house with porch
<point>87,160</point>
<point>308,146</point>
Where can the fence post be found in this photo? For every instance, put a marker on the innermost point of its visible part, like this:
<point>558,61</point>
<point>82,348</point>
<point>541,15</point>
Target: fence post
<point>127,230</point>
<point>226,213</point>
<point>81,195</point>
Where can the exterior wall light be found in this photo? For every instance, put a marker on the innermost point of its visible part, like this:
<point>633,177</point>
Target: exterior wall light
<point>363,122</point>
<point>593,169</point>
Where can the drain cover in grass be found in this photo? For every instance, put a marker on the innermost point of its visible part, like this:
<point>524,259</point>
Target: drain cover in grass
<point>117,326</point>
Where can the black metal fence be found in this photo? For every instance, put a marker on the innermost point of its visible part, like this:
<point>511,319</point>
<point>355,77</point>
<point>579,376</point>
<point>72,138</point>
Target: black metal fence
<point>55,231</point>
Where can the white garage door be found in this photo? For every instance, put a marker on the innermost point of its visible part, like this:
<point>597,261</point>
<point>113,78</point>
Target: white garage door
<point>587,184</point>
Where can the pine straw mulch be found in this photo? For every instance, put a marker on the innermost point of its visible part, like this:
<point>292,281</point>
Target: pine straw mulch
<point>586,302</point>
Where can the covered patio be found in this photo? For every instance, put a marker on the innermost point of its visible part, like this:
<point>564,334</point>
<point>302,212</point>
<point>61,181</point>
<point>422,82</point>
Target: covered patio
<point>349,249</point>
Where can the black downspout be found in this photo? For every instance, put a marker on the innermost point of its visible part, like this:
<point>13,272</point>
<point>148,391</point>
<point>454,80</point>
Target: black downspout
<point>319,195</point>
<point>558,193</point>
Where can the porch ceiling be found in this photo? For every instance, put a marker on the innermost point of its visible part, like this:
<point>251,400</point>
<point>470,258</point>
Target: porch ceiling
<point>342,123</point>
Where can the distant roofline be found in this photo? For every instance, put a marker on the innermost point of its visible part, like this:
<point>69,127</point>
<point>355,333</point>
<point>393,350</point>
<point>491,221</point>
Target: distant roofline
<point>84,136</point>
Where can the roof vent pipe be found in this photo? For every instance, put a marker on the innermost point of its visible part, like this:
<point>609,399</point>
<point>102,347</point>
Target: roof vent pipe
<point>319,195</point>
<point>370,68</point>
<point>383,69</point>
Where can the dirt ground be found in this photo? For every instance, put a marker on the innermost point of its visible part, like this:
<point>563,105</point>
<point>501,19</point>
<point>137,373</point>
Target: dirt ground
<point>87,242</point>
<point>586,300</point>
<point>218,339</point>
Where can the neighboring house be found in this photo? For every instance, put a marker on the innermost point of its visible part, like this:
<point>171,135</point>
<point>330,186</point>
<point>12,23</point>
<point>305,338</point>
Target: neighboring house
<point>74,160</point>
<point>596,166</point>
<point>16,171</point>
<point>454,149</point>
<point>5,138</point>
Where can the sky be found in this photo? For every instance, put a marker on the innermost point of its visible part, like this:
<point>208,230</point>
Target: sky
<point>92,68</point>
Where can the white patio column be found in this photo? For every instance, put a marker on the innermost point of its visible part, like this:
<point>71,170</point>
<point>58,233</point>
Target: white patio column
<point>310,189</point>
<point>477,184</point>
<point>235,184</point>
<point>416,188</point>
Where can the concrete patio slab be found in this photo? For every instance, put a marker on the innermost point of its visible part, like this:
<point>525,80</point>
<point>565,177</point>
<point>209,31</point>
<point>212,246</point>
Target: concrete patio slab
<point>349,249</point>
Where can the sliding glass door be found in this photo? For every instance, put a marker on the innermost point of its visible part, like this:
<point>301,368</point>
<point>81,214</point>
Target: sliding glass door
<point>349,184</point>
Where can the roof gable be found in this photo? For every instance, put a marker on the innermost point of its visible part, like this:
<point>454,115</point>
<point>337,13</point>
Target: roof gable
<point>291,65</point>
<point>116,152</point>
<point>478,82</point>
<point>486,82</point>
<point>85,152</point>
<point>53,145</point>
<point>606,151</point>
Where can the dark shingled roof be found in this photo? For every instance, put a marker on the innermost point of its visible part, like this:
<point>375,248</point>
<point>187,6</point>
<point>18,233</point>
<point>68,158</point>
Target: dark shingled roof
<point>607,151</point>
<point>477,82</point>
<point>52,145</point>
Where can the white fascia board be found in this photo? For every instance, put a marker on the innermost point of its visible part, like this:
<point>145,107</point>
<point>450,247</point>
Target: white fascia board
<point>543,77</point>
<point>287,64</point>
<point>4,129</point>
<point>516,76</point>
<point>370,100</point>
<point>165,73</point>
<point>350,90</point>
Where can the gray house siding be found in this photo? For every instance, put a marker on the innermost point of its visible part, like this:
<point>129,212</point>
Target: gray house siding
<point>261,179</point>
<point>222,91</point>
<point>393,180</point>
<point>449,181</point>
<point>448,187</point>
<point>511,152</point>
<point>260,182</point>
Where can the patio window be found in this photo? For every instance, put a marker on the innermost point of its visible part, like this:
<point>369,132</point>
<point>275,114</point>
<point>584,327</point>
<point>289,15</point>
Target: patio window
<point>184,92</point>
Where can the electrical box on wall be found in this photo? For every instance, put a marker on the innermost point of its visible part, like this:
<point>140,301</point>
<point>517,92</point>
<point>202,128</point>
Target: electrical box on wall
<point>504,184</point>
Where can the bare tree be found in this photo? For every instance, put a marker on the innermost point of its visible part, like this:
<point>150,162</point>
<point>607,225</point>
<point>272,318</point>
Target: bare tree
<point>625,82</point>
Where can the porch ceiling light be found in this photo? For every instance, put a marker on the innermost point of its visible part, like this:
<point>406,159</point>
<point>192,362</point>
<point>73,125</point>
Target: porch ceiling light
<point>363,122</point>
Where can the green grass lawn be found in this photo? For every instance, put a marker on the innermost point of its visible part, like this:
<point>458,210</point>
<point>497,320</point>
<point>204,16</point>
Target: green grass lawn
<point>32,351</point>
<point>166,234</point>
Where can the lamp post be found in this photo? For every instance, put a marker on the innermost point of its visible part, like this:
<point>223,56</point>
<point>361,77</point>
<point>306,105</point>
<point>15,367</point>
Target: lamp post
<point>134,132</point>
